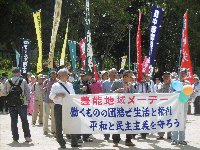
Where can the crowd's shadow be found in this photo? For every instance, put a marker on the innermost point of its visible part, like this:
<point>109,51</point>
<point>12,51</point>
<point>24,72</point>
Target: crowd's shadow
<point>23,144</point>
<point>151,140</point>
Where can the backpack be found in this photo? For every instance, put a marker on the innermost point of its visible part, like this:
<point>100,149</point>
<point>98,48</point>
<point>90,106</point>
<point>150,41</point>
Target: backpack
<point>15,97</point>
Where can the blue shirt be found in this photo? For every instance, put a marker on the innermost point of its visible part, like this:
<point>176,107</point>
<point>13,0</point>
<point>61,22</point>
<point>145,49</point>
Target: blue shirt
<point>107,86</point>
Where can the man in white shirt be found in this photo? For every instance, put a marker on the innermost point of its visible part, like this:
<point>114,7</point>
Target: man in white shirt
<point>58,91</point>
<point>157,85</point>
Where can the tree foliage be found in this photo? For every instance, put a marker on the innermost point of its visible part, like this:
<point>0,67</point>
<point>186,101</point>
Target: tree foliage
<point>109,27</point>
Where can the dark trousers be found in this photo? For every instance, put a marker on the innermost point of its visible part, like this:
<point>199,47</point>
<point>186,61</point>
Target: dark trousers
<point>107,136</point>
<point>3,104</point>
<point>116,138</point>
<point>197,105</point>
<point>22,111</point>
<point>58,123</point>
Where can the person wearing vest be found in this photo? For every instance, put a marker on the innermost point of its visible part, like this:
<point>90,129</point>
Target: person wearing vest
<point>48,103</point>
<point>58,92</point>
<point>178,137</point>
<point>38,100</point>
<point>196,96</point>
<point>20,110</point>
<point>123,86</point>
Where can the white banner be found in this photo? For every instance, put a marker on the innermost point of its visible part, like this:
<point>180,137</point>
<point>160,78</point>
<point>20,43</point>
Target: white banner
<point>122,113</point>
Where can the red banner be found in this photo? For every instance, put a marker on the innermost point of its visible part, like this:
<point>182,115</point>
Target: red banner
<point>139,50</point>
<point>145,65</point>
<point>82,52</point>
<point>186,61</point>
<point>96,76</point>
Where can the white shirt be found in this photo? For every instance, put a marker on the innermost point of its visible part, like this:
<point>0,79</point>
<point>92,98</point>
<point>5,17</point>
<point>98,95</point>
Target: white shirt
<point>157,87</point>
<point>151,85</point>
<point>57,88</point>
<point>196,88</point>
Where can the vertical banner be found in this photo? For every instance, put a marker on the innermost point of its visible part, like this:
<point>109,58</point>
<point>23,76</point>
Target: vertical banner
<point>88,48</point>
<point>145,65</point>
<point>186,61</point>
<point>63,54</point>
<point>82,52</point>
<point>139,50</point>
<point>17,56</point>
<point>156,18</point>
<point>56,21</point>
<point>38,26</point>
<point>72,49</point>
<point>25,57</point>
<point>123,63</point>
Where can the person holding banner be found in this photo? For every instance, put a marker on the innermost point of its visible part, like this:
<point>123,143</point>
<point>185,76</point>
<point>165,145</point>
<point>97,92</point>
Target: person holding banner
<point>82,87</point>
<point>178,137</point>
<point>107,89</point>
<point>123,86</point>
<point>165,88</point>
<point>60,90</point>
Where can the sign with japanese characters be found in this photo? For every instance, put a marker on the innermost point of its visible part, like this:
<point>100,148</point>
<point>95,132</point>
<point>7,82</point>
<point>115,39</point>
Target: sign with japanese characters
<point>122,113</point>
<point>25,57</point>
<point>156,18</point>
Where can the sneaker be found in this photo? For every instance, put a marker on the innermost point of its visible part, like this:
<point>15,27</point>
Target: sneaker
<point>45,132</point>
<point>174,143</point>
<point>28,139</point>
<point>115,144</point>
<point>15,141</point>
<point>76,145</point>
<point>182,142</point>
<point>129,144</point>
<point>160,138</point>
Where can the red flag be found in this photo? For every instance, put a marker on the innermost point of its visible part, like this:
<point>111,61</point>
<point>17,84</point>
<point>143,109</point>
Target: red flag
<point>96,76</point>
<point>82,51</point>
<point>186,61</point>
<point>145,65</point>
<point>139,50</point>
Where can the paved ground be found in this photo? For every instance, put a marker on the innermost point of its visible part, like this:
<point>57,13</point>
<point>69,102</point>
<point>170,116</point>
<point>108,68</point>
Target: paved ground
<point>42,142</point>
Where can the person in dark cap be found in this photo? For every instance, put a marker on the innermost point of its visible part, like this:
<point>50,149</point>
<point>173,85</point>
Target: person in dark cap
<point>120,72</point>
<point>81,86</point>
<point>20,109</point>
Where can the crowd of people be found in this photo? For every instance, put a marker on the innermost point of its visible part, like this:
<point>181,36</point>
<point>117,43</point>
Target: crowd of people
<point>42,99</point>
